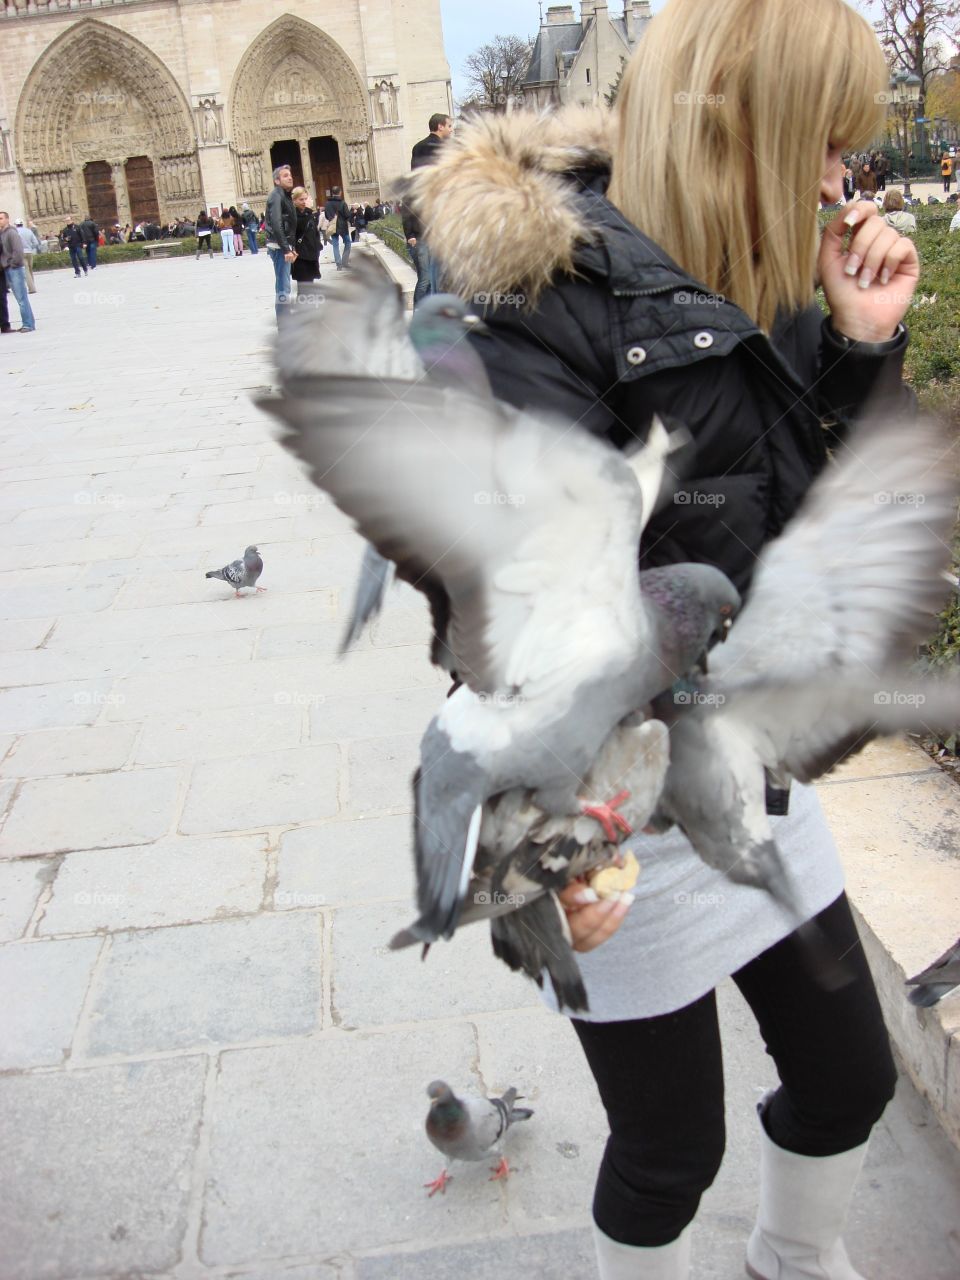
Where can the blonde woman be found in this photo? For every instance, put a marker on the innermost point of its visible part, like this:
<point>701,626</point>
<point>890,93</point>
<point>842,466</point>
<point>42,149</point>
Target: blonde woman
<point>663,261</point>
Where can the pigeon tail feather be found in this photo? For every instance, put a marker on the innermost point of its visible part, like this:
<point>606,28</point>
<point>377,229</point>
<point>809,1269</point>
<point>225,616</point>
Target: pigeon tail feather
<point>534,938</point>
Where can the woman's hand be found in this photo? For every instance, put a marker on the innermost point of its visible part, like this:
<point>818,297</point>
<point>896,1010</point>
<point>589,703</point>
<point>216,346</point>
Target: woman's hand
<point>592,920</point>
<point>868,287</point>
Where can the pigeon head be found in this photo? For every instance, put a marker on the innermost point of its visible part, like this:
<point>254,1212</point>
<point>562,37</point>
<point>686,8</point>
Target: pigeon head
<point>250,552</point>
<point>438,331</point>
<point>698,603</point>
<point>439,1091</point>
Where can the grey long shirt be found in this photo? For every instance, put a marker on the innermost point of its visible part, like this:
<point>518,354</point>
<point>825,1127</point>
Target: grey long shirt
<point>11,248</point>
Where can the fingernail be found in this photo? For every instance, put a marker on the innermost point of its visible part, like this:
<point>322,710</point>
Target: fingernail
<point>627,900</point>
<point>853,264</point>
<point>585,897</point>
<point>851,218</point>
<point>884,276</point>
<point>866,275</point>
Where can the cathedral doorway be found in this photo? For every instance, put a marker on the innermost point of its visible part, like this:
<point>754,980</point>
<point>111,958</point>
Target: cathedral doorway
<point>325,166</point>
<point>142,189</point>
<point>287,151</point>
<point>101,196</point>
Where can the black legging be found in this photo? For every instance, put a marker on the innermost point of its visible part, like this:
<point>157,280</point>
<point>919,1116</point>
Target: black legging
<point>205,243</point>
<point>661,1082</point>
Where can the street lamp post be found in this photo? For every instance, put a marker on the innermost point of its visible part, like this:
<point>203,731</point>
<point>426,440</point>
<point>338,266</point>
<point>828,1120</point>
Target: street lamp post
<point>904,97</point>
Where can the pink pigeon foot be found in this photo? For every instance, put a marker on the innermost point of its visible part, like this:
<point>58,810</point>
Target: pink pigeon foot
<point>261,588</point>
<point>607,816</point>
<point>439,1184</point>
<point>502,1171</point>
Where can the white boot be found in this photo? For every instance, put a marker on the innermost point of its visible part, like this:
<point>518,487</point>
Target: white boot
<point>616,1261</point>
<point>803,1204</point>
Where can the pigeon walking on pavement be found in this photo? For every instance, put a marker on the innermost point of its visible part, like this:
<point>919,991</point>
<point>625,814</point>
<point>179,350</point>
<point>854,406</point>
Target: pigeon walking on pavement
<point>241,573</point>
<point>525,529</point>
<point>470,1128</point>
<point>937,980</point>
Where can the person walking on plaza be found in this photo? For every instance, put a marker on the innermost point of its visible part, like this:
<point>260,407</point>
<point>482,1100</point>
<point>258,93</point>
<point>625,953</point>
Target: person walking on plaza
<point>281,231</point>
<point>204,234</point>
<point>226,233</point>
<point>31,245</point>
<point>946,170</point>
<point>424,153</point>
<point>73,243</point>
<point>90,234</point>
<point>753,382</point>
<point>337,210</point>
<point>11,259</point>
<point>881,168</point>
<point>306,266</point>
<point>250,224</point>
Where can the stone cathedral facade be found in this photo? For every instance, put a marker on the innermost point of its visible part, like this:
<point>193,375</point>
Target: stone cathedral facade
<point>148,110</point>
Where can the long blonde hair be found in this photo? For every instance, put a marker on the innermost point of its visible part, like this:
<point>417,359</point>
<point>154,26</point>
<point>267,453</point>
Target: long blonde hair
<point>725,113</point>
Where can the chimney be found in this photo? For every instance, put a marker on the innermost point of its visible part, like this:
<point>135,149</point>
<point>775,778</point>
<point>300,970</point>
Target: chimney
<point>587,8</point>
<point>558,14</point>
<point>636,14</point>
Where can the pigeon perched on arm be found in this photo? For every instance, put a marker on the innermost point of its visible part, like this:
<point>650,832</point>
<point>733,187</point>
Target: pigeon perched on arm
<point>527,527</point>
<point>809,673</point>
<point>470,1128</point>
<point>524,857</point>
<point>937,980</point>
<point>241,573</point>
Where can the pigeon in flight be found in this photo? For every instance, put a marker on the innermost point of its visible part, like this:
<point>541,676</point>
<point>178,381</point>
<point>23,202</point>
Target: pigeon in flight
<point>470,1128</point>
<point>524,857</point>
<point>937,980</point>
<point>527,527</point>
<point>810,671</point>
<point>438,331</point>
<point>241,573</point>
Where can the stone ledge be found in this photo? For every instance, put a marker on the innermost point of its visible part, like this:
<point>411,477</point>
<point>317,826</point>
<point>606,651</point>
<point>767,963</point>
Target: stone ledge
<point>398,270</point>
<point>896,820</point>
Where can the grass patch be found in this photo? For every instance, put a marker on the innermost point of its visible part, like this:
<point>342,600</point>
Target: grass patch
<point>390,231</point>
<point>135,252</point>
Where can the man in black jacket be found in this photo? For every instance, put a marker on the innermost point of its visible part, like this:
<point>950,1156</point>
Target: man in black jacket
<point>336,207</point>
<point>90,234</point>
<point>426,151</point>
<point>72,240</point>
<point>281,231</point>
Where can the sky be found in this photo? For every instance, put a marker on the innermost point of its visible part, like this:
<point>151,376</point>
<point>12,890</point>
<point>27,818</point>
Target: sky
<point>467,24</point>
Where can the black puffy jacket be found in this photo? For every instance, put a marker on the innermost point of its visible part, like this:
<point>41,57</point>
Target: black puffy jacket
<point>632,335</point>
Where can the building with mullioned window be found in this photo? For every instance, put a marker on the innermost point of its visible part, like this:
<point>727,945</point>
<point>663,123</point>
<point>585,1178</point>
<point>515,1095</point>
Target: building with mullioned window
<point>579,60</point>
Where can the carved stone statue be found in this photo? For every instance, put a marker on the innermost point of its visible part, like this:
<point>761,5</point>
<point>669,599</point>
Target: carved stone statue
<point>173,177</point>
<point>386,102</point>
<point>258,173</point>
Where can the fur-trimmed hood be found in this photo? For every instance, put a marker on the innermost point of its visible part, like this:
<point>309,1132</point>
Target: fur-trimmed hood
<point>499,208</point>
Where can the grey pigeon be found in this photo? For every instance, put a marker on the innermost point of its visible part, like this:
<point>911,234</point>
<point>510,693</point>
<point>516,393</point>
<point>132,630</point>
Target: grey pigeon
<point>524,857</point>
<point>438,331</point>
<point>241,573</point>
<point>528,528</point>
<point>937,980</point>
<point>810,671</point>
<point>470,1128</point>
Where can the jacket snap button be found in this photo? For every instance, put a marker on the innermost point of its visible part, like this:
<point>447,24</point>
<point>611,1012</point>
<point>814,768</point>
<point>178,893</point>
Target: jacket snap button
<point>703,340</point>
<point>636,355</point>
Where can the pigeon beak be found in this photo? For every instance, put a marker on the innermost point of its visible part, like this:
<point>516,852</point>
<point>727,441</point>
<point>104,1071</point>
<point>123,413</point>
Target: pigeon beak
<point>475,324</point>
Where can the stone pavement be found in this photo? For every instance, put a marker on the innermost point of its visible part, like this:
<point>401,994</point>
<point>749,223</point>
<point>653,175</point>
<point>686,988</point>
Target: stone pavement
<point>211,1064</point>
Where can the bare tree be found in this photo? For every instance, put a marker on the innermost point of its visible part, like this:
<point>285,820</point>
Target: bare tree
<point>496,71</point>
<point>915,34</point>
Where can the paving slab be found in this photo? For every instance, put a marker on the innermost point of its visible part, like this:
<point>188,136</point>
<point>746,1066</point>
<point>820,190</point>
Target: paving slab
<point>173,881</point>
<point>97,1168</point>
<point>196,985</point>
<point>379,774</point>
<point>277,788</point>
<point>21,884</point>
<point>42,988</point>
<point>94,810</point>
<point>346,862</point>
<point>374,986</point>
<point>80,750</point>
<point>53,706</point>
<point>209,735</point>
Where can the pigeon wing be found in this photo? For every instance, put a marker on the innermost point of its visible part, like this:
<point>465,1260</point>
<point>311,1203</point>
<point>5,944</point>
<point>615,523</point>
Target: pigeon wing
<point>235,573</point>
<point>857,576</point>
<point>531,525</point>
